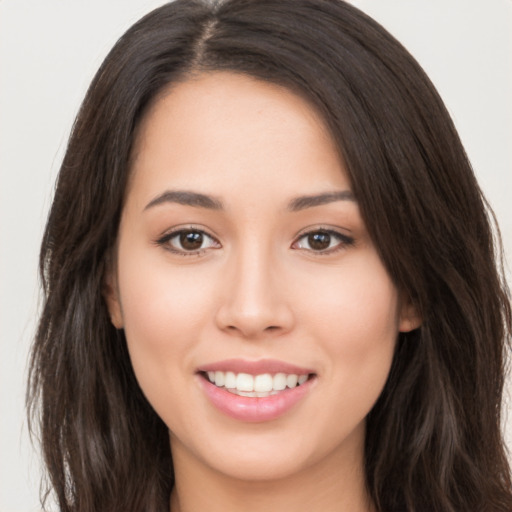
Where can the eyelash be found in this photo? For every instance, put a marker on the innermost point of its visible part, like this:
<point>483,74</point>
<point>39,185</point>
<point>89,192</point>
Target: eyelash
<point>165,241</point>
<point>344,241</point>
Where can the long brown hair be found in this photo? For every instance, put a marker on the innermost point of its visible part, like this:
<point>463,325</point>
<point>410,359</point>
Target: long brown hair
<point>433,439</point>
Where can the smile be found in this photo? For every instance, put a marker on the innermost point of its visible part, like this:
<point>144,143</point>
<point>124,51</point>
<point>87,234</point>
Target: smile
<point>262,385</point>
<point>255,391</point>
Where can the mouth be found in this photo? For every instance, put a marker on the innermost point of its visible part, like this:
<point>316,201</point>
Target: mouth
<point>256,391</point>
<point>256,386</point>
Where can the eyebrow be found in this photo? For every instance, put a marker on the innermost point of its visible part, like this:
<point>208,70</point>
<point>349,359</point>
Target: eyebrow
<point>303,202</point>
<point>196,199</point>
<point>186,198</point>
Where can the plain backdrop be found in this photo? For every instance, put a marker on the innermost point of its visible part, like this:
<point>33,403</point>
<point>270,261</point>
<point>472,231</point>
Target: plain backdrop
<point>49,51</point>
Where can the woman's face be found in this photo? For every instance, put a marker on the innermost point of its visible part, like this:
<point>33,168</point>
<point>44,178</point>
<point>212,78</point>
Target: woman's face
<point>242,259</point>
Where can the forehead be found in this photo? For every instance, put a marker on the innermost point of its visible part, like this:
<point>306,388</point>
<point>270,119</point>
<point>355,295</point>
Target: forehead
<point>224,130</point>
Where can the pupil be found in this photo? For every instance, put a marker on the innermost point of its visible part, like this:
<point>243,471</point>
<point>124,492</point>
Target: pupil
<point>319,241</point>
<point>191,240</point>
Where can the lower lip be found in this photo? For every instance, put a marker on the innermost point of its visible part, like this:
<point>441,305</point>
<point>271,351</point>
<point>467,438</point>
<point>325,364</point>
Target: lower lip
<point>255,409</point>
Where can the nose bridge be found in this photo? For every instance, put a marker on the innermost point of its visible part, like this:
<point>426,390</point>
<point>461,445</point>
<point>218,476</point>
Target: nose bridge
<point>254,301</point>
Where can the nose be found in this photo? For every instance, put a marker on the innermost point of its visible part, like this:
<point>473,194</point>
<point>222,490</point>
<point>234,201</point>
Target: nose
<point>255,304</point>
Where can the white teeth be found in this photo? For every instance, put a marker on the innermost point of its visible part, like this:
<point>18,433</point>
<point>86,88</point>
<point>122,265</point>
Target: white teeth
<point>253,394</point>
<point>291,380</point>
<point>230,380</point>
<point>244,384</point>
<point>279,381</point>
<point>263,382</point>
<point>219,379</point>
<point>261,394</point>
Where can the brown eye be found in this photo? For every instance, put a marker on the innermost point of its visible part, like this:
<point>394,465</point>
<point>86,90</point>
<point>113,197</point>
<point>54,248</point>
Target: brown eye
<point>319,241</point>
<point>323,241</point>
<point>188,241</point>
<point>191,240</point>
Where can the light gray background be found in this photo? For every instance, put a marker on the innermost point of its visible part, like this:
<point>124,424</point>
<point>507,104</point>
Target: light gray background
<point>49,51</point>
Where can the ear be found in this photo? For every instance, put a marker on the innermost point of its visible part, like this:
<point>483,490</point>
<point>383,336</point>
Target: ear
<point>111,295</point>
<point>410,317</point>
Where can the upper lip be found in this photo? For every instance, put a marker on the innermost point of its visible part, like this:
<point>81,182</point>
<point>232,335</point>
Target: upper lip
<point>258,367</point>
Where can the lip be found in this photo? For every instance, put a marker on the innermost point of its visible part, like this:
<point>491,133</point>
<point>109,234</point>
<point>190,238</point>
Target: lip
<point>255,367</point>
<point>255,409</point>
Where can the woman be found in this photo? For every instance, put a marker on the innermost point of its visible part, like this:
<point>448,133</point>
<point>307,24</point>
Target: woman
<point>270,278</point>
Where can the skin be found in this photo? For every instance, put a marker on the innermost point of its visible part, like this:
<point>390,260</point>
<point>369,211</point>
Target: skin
<point>255,289</point>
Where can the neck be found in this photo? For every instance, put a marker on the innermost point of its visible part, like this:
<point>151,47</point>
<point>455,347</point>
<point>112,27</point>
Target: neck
<point>333,484</point>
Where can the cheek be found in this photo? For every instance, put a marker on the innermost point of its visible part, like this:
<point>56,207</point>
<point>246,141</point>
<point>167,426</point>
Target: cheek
<point>354,318</point>
<point>357,301</point>
<point>162,311</point>
<point>355,325</point>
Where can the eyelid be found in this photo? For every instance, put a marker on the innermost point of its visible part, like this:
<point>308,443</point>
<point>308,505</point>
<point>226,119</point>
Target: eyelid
<point>164,240</point>
<point>344,240</point>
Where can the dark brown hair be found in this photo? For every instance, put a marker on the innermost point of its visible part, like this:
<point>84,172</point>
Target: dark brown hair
<point>433,438</point>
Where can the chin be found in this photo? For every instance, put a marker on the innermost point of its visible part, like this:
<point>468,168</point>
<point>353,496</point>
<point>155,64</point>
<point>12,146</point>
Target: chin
<point>260,454</point>
<point>262,468</point>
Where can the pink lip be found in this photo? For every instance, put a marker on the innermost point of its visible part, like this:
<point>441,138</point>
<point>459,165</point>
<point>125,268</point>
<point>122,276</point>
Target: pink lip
<point>255,409</point>
<point>259,367</point>
<point>251,409</point>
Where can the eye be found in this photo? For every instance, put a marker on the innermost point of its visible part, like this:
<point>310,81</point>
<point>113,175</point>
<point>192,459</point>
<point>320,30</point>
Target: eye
<point>188,241</point>
<point>323,241</point>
